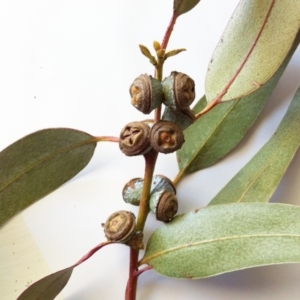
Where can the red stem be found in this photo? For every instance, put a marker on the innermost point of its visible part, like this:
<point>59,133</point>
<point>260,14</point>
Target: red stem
<point>92,252</point>
<point>219,97</point>
<point>132,280</point>
<point>169,30</point>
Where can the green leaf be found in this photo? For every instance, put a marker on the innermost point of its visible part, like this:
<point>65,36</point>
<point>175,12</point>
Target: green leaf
<point>224,238</point>
<point>257,181</point>
<point>39,163</point>
<point>182,6</point>
<point>217,132</point>
<point>252,47</point>
<point>48,287</point>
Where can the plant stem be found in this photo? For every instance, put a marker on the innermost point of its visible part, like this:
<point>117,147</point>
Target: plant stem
<point>106,139</point>
<point>130,293</point>
<point>150,160</point>
<point>92,252</point>
<point>169,31</point>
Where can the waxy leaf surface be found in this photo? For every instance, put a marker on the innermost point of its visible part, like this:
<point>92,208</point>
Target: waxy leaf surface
<point>39,163</point>
<point>48,287</point>
<point>252,47</point>
<point>224,238</point>
<point>182,6</point>
<point>214,134</point>
<point>257,181</point>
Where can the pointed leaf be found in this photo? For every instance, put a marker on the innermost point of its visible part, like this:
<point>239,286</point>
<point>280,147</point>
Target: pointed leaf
<point>253,46</point>
<point>216,133</point>
<point>48,287</point>
<point>213,135</point>
<point>182,6</point>
<point>39,163</point>
<point>224,238</point>
<point>257,181</point>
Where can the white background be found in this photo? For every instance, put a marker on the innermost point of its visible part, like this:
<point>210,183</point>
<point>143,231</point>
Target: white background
<point>69,63</point>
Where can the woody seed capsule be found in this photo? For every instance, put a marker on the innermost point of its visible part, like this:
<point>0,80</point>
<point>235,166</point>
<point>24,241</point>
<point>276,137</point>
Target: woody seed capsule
<point>134,139</point>
<point>164,205</point>
<point>183,118</point>
<point>166,137</point>
<point>178,90</point>
<point>120,226</point>
<point>146,93</point>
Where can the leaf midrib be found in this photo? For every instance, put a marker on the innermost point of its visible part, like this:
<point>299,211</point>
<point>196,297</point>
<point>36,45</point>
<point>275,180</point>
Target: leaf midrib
<point>222,239</point>
<point>288,136</point>
<point>182,171</point>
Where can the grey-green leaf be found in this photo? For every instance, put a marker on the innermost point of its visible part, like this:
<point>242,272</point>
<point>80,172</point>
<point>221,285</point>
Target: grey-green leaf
<point>182,6</point>
<point>39,163</point>
<point>213,135</point>
<point>257,181</point>
<point>48,287</point>
<point>224,238</point>
<point>254,44</point>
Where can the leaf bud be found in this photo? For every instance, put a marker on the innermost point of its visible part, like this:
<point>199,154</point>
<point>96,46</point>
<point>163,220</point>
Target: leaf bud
<point>178,90</point>
<point>134,139</point>
<point>164,205</point>
<point>146,93</point>
<point>156,45</point>
<point>166,137</point>
<point>174,52</point>
<point>148,54</point>
<point>120,226</point>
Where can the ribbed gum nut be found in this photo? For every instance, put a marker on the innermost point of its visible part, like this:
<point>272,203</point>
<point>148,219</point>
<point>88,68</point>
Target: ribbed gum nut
<point>161,182</point>
<point>166,137</point>
<point>183,118</point>
<point>120,226</point>
<point>178,90</point>
<point>134,139</point>
<point>146,93</point>
<point>132,191</point>
<point>164,205</point>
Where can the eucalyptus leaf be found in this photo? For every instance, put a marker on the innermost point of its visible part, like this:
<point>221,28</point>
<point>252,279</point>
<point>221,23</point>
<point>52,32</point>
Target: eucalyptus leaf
<point>217,132</point>
<point>224,238</point>
<point>182,6</point>
<point>255,42</point>
<point>48,287</point>
<point>39,163</point>
<point>257,181</point>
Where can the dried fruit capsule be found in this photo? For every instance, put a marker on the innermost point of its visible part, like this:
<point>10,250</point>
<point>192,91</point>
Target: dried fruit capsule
<point>178,90</point>
<point>161,182</point>
<point>120,226</point>
<point>146,93</point>
<point>134,139</point>
<point>166,137</point>
<point>183,118</point>
<point>164,205</point>
<point>132,191</point>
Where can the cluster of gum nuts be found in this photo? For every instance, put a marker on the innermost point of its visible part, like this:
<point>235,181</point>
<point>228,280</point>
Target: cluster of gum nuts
<point>176,92</point>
